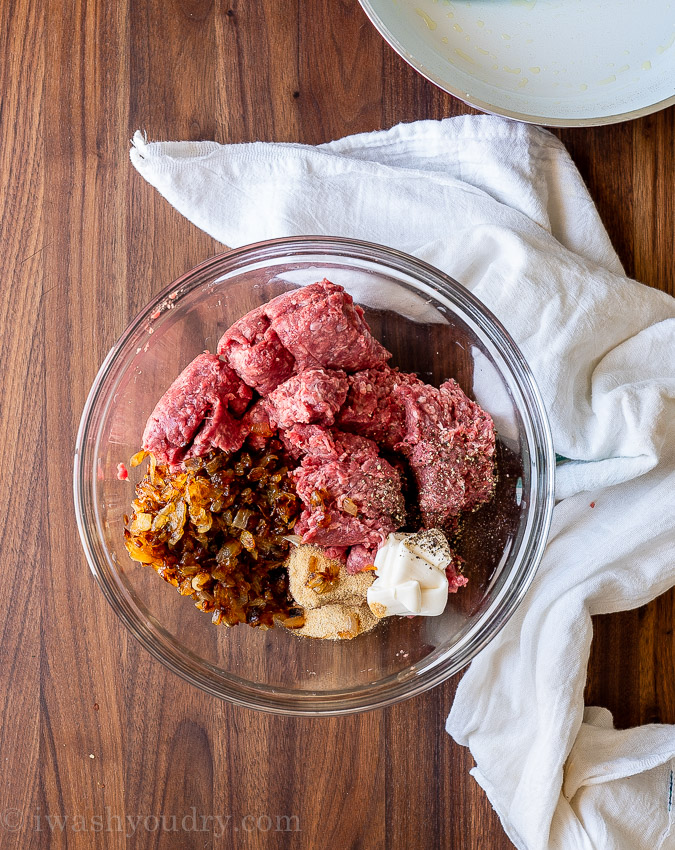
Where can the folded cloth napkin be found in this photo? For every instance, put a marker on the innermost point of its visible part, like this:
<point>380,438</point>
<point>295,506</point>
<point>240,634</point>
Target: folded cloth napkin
<point>501,207</point>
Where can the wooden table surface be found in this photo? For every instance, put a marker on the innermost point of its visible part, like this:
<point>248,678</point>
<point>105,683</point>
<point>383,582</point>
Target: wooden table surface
<point>93,728</point>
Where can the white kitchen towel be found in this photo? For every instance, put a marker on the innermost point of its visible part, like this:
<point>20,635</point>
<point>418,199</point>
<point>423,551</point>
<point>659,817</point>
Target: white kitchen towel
<point>501,207</point>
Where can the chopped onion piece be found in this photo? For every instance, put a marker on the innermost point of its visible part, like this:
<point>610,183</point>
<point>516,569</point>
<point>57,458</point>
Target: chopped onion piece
<point>248,541</point>
<point>294,622</point>
<point>138,458</point>
<point>241,518</point>
<point>295,539</point>
<point>349,506</point>
<point>142,522</point>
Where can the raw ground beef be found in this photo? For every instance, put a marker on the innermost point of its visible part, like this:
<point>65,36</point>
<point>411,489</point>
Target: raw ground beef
<point>314,395</point>
<point>253,349</point>
<point>256,425</point>
<point>321,326</point>
<point>329,395</point>
<point>317,325</point>
<point>360,557</point>
<point>351,496</point>
<point>373,409</point>
<point>198,412</point>
<point>307,439</point>
<point>455,580</point>
<point>450,446</point>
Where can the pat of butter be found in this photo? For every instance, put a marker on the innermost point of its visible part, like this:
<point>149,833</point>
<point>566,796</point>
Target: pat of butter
<point>411,577</point>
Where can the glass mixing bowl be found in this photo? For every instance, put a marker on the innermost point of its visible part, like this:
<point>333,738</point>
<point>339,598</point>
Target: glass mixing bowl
<point>434,327</point>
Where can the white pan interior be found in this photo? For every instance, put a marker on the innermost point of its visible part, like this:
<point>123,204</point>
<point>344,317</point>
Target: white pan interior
<point>556,62</point>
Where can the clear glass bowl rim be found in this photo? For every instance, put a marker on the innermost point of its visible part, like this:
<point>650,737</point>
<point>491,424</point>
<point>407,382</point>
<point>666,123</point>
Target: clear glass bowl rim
<point>385,692</point>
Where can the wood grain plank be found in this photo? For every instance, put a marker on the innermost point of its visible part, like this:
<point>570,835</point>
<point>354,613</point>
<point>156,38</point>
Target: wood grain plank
<point>324,772</point>
<point>632,662</point>
<point>85,137</point>
<point>654,205</point>
<point>657,657</point>
<point>23,553</point>
<point>258,53</point>
<point>173,65</point>
<point>340,72</point>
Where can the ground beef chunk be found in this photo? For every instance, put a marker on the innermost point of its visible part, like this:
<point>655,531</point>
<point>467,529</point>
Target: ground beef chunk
<point>317,325</point>
<point>198,412</point>
<point>252,348</point>
<point>351,496</point>
<point>307,439</point>
<point>372,407</point>
<point>337,553</point>
<point>256,425</point>
<point>455,580</point>
<point>321,326</point>
<point>450,446</point>
<point>360,557</point>
<point>314,395</point>
<point>320,442</point>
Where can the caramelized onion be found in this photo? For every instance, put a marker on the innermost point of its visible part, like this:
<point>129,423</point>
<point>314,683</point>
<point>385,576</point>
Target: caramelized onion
<point>349,507</point>
<point>241,518</point>
<point>138,458</point>
<point>218,530</point>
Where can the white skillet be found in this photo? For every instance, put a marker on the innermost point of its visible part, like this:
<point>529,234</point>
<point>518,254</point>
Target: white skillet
<point>554,62</point>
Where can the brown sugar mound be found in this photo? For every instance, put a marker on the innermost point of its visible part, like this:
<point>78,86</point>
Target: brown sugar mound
<point>337,622</point>
<point>315,580</point>
<point>334,601</point>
